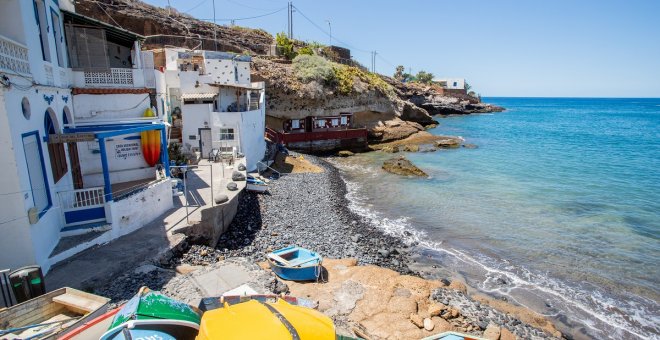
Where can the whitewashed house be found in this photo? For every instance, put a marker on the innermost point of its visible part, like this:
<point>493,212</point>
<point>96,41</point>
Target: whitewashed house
<point>73,92</point>
<point>220,107</point>
<point>451,83</point>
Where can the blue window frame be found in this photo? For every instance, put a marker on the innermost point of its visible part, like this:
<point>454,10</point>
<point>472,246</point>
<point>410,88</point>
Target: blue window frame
<point>36,170</point>
<point>57,34</point>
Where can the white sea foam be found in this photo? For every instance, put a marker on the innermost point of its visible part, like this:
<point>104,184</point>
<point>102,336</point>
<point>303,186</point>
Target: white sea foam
<point>589,307</point>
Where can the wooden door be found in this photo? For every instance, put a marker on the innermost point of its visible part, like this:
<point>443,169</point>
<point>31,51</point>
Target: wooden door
<point>205,142</point>
<point>74,160</point>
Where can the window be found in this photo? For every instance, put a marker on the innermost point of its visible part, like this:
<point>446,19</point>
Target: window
<point>192,137</point>
<point>344,120</point>
<point>57,33</point>
<point>320,123</point>
<point>335,122</point>
<point>295,124</point>
<point>226,134</point>
<point>36,172</point>
<point>55,151</point>
<point>455,84</point>
<point>42,22</point>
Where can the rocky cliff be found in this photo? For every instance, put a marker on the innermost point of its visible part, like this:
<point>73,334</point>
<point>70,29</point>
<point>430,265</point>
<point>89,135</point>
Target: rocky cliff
<point>389,108</point>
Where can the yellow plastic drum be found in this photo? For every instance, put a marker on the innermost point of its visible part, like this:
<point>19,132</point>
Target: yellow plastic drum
<point>257,320</point>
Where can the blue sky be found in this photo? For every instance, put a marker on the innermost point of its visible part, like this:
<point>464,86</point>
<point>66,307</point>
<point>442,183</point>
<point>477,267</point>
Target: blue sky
<point>558,48</point>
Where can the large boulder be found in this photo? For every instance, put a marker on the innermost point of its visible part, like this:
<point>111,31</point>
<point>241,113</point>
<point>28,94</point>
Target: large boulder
<point>345,153</point>
<point>402,166</point>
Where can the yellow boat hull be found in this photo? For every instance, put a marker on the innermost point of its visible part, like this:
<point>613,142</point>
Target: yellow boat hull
<point>255,320</point>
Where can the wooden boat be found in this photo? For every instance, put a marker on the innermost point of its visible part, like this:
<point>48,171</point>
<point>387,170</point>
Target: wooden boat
<point>256,185</point>
<point>453,336</point>
<point>51,315</point>
<point>295,263</point>
<point>92,329</point>
<point>151,315</point>
<point>265,320</point>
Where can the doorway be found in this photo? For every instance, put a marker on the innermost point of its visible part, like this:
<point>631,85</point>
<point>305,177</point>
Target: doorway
<point>205,142</point>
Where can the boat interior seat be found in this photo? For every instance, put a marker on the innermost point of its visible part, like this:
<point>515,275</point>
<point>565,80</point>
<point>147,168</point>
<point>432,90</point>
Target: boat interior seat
<point>300,261</point>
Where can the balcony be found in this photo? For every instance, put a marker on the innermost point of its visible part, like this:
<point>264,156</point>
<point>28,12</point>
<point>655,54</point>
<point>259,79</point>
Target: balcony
<point>14,57</point>
<point>114,78</point>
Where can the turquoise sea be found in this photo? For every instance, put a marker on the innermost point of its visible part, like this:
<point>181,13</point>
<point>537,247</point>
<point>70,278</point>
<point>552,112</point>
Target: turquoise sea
<point>558,209</point>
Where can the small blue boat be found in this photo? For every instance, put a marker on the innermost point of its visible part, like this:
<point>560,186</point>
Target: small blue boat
<point>295,263</point>
<point>453,336</point>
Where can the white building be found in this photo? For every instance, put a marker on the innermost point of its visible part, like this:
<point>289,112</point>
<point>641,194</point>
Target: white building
<point>221,109</point>
<point>451,83</point>
<point>70,124</point>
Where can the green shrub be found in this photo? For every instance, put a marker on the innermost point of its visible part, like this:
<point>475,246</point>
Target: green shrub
<point>305,50</point>
<point>285,46</point>
<point>345,79</point>
<point>311,67</point>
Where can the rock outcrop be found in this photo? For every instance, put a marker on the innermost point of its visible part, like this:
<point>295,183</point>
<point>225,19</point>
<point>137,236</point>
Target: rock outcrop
<point>402,166</point>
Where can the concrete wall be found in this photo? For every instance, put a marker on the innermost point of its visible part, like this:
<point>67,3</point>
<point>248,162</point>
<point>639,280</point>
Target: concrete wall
<point>89,108</point>
<point>133,212</point>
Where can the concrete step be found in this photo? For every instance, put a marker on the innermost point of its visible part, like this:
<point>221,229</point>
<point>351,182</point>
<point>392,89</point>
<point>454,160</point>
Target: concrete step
<point>71,245</point>
<point>80,229</point>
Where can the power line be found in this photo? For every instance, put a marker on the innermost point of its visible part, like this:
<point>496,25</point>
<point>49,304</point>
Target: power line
<point>328,34</point>
<point>194,7</point>
<point>246,18</point>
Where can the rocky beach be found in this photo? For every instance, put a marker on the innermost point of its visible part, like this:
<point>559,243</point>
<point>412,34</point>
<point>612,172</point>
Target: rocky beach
<point>311,210</point>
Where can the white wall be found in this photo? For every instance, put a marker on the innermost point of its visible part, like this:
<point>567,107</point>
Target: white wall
<point>15,242</point>
<point>109,106</point>
<point>141,208</point>
<point>45,233</point>
<point>459,83</point>
<point>194,116</point>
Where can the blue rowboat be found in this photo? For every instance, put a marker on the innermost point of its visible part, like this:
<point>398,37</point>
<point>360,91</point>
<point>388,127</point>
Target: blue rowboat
<point>453,336</point>
<point>295,263</point>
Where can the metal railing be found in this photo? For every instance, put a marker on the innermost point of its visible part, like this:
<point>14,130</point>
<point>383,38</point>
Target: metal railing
<point>13,56</point>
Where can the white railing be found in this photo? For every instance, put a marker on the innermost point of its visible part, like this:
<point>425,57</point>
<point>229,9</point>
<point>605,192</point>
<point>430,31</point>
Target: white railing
<point>82,198</point>
<point>115,77</point>
<point>13,56</point>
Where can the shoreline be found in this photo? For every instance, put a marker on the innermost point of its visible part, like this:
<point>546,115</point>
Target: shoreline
<point>311,210</point>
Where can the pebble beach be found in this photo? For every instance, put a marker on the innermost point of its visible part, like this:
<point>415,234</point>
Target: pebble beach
<point>311,210</point>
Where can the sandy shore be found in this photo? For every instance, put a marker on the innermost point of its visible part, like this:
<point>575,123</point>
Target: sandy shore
<point>371,292</point>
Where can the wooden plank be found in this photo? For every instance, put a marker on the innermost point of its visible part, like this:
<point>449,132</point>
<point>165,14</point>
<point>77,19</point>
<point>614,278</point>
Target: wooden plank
<point>78,302</point>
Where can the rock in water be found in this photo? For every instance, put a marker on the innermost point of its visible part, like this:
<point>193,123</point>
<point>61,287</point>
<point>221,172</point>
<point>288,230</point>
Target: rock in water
<point>448,142</point>
<point>345,153</point>
<point>411,148</point>
<point>402,166</point>
<point>390,149</point>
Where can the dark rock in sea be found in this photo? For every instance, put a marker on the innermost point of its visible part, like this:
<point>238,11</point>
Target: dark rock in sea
<point>402,166</point>
<point>470,146</point>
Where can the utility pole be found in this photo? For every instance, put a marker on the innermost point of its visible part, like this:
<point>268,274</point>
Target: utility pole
<point>215,41</point>
<point>290,23</point>
<point>330,27</point>
<point>288,19</point>
<point>373,61</point>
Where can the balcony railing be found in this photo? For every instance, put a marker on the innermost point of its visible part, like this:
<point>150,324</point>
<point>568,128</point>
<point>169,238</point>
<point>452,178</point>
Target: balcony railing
<point>14,56</point>
<point>114,77</point>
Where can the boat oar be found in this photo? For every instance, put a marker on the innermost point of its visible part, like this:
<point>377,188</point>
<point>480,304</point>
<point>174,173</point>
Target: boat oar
<point>11,330</point>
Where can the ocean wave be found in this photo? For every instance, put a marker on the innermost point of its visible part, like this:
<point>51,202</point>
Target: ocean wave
<point>591,308</point>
